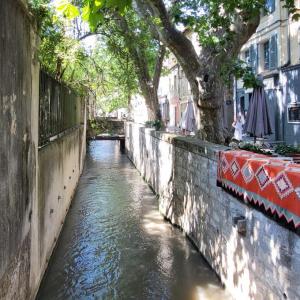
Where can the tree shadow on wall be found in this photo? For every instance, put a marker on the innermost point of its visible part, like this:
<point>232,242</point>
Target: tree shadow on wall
<point>205,212</point>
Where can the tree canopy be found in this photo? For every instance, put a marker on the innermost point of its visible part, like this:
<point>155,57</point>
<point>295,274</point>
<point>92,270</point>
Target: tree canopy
<point>100,70</point>
<point>136,33</point>
<point>126,59</point>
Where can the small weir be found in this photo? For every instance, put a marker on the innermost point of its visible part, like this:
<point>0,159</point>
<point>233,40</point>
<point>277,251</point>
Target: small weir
<point>116,245</point>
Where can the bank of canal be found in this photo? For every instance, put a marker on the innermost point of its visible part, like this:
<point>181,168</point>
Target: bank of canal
<point>115,244</point>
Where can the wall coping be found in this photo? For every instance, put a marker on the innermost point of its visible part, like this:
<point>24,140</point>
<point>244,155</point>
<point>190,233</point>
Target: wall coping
<point>59,136</point>
<point>188,143</point>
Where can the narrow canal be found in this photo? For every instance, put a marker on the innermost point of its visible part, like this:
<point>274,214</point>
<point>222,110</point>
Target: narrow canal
<point>115,244</point>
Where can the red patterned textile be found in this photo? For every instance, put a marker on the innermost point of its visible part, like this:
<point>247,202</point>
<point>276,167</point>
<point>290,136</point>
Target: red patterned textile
<point>263,180</point>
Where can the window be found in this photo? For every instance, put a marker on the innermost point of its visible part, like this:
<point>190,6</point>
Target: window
<point>269,7</point>
<point>270,53</point>
<point>247,56</point>
<point>294,113</point>
<point>242,100</point>
<point>251,57</point>
<point>267,55</point>
<point>175,84</point>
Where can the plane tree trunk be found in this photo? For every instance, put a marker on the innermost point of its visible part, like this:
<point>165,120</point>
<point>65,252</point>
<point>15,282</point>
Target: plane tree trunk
<point>203,71</point>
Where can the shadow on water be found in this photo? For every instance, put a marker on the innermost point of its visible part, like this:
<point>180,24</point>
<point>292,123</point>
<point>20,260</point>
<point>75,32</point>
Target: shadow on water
<point>116,245</point>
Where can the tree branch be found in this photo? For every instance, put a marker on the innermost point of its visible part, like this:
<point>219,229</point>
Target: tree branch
<point>174,39</point>
<point>88,34</point>
<point>158,66</point>
<point>144,12</point>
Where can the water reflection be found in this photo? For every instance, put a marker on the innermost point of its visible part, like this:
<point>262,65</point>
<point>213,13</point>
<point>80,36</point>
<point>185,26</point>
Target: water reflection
<point>115,244</point>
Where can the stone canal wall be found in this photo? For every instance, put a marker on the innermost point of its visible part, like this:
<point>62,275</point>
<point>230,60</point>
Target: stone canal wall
<point>99,125</point>
<point>262,264</point>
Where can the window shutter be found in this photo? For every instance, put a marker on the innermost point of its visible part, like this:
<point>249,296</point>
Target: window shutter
<point>254,57</point>
<point>273,52</point>
<point>267,55</point>
<point>272,6</point>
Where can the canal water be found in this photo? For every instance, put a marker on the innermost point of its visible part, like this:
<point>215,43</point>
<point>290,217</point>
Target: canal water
<point>116,245</point>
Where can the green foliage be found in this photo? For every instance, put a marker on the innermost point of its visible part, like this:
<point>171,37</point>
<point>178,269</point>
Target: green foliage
<point>92,11</point>
<point>290,5</point>
<point>214,22</point>
<point>108,77</point>
<point>254,148</point>
<point>109,72</point>
<point>284,150</point>
<point>213,19</point>
<point>240,70</point>
<point>287,149</point>
<point>66,8</point>
<point>93,124</point>
<point>157,124</point>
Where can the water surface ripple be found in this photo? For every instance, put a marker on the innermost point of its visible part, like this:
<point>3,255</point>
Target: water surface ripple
<point>115,244</point>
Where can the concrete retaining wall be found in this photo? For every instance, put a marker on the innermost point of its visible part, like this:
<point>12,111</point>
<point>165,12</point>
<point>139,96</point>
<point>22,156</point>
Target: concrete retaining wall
<point>60,164</point>
<point>263,264</point>
<point>19,74</point>
<point>36,187</point>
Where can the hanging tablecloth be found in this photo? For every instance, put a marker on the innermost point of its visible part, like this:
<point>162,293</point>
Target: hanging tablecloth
<point>263,180</point>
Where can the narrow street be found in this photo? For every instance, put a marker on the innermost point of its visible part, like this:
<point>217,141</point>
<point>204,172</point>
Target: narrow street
<point>116,245</point>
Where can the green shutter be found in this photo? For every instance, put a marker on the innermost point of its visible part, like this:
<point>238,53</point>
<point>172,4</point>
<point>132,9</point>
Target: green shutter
<point>273,52</point>
<point>254,57</point>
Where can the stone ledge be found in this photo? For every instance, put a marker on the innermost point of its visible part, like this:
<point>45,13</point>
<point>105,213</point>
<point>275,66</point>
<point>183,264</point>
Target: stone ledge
<point>60,136</point>
<point>199,147</point>
<point>191,144</point>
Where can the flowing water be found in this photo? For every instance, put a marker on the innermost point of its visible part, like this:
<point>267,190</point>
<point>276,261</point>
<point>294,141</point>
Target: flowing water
<point>116,245</point>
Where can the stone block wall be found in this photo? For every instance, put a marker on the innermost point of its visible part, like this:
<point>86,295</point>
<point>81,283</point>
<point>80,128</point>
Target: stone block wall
<point>101,125</point>
<point>262,264</point>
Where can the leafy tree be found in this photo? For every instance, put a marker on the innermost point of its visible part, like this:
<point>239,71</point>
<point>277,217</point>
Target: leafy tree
<point>104,73</point>
<point>223,26</point>
<point>127,36</point>
<point>146,54</point>
<point>57,49</point>
<point>127,33</point>
<point>115,80</point>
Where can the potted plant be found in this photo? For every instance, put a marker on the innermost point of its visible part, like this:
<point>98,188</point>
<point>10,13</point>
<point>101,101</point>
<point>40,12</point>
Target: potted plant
<point>289,151</point>
<point>254,148</point>
<point>154,124</point>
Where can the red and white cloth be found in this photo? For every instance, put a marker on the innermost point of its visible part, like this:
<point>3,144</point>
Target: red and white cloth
<point>263,180</point>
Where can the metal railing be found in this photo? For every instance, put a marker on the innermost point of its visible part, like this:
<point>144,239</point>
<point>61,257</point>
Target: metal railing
<point>59,108</point>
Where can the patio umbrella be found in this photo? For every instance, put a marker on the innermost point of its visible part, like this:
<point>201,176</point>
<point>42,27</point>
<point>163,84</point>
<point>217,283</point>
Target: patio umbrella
<point>258,121</point>
<point>188,121</point>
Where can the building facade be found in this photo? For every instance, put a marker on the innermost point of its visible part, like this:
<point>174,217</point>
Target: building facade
<point>273,52</point>
<point>174,88</point>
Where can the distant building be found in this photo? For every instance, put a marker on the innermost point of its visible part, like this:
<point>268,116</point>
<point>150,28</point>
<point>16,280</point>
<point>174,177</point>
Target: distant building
<point>175,87</point>
<point>274,53</point>
<point>138,110</point>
